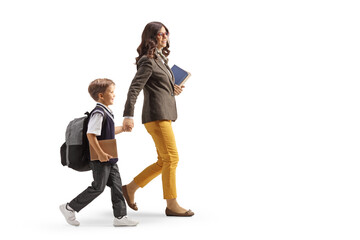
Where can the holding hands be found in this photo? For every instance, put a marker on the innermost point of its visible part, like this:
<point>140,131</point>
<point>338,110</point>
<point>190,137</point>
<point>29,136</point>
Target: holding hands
<point>128,124</point>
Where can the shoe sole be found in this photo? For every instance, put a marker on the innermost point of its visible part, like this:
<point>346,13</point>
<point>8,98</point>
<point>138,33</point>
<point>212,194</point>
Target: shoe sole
<point>124,225</point>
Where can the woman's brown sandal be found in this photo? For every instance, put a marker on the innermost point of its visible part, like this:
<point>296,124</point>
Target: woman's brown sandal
<point>169,213</point>
<point>126,195</point>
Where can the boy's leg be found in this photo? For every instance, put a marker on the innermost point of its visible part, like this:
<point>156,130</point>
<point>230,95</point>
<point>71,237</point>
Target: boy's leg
<point>101,174</point>
<point>118,201</point>
<point>117,197</point>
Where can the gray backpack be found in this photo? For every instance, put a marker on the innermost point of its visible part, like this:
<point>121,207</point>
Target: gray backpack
<point>75,151</point>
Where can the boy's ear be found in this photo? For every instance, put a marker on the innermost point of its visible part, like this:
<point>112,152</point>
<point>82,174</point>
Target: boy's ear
<point>101,95</point>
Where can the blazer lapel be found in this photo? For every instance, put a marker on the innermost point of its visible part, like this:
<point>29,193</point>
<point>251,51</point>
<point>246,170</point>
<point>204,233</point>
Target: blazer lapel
<point>167,70</point>
<point>172,74</point>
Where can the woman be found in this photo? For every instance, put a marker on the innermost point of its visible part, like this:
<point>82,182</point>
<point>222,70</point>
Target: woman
<point>157,80</point>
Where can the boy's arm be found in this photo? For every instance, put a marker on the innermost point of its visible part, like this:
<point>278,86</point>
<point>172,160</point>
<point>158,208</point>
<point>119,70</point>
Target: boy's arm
<point>103,156</point>
<point>119,129</point>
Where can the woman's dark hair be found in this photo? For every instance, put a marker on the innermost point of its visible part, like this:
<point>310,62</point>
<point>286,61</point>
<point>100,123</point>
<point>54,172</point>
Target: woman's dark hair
<point>149,42</point>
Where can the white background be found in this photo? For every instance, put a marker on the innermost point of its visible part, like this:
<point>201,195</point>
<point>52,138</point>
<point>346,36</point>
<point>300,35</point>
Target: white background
<point>268,128</point>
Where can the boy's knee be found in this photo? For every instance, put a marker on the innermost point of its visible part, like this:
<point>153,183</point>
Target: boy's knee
<point>99,187</point>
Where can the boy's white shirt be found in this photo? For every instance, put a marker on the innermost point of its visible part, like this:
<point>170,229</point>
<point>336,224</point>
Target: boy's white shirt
<point>95,122</point>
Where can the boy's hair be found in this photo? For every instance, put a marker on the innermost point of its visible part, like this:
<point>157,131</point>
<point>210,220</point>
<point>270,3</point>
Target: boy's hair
<point>99,86</point>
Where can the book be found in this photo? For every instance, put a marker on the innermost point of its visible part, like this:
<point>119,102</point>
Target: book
<point>181,76</point>
<point>108,146</point>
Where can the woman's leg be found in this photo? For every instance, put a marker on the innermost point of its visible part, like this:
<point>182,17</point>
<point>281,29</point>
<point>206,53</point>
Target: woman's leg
<point>174,206</point>
<point>149,173</point>
<point>163,136</point>
<point>164,139</point>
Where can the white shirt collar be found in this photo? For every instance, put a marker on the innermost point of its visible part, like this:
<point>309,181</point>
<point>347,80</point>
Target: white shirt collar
<point>104,106</point>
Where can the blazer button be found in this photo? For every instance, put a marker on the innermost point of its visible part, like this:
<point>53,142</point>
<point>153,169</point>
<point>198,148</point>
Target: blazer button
<point>172,94</point>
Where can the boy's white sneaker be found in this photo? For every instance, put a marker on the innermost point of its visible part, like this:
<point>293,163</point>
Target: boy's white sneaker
<point>69,215</point>
<point>124,221</point>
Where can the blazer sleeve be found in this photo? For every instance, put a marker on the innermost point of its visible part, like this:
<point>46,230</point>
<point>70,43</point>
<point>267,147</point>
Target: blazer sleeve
<point>144,71</point>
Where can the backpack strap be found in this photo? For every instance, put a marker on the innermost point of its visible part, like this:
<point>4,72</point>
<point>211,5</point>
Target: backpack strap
<point>104,114</point>
<point>85,139</point>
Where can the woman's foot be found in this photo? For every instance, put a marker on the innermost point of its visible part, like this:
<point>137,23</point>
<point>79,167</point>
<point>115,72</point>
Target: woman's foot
<point>174,209</point>
<point>188,213</point>
<point>129,194</point>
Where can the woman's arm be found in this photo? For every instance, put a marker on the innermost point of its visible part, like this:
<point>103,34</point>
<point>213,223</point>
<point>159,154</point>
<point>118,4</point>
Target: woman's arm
<point>142,76</point>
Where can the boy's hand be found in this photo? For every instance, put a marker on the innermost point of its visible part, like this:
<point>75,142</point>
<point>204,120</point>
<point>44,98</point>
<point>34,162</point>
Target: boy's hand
<point>104,157</point>
<point>119,129</point>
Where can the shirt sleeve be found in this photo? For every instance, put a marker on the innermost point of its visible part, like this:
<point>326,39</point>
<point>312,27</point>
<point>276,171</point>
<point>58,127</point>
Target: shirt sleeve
<point>95,124</point>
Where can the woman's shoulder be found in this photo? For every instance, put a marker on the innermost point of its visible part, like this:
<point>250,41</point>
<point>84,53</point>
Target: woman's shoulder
<point>145,61</point>
<point>145,58</point>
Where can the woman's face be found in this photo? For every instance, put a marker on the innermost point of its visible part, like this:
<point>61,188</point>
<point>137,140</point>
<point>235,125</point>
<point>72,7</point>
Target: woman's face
<point>162,38</point>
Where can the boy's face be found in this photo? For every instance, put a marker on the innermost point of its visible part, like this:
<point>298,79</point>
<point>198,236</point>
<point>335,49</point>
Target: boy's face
<point>107,98</point>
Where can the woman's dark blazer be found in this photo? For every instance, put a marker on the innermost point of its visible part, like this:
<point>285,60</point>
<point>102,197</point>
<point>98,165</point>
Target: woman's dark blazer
<point>157,81</point>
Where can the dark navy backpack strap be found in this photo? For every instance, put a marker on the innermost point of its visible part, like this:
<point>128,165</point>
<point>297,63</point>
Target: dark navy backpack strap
<point>99,109</point>
<point>85,127</point>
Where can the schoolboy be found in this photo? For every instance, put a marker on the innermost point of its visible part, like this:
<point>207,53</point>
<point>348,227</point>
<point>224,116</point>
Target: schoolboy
<point>105,171</point>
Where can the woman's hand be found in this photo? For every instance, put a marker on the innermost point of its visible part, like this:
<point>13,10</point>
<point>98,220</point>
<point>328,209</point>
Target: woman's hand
<point>178,89</point>
<point>128,124</point>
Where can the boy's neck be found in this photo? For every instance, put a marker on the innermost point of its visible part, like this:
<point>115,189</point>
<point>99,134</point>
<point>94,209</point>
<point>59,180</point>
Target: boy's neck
<point>103,103</point>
